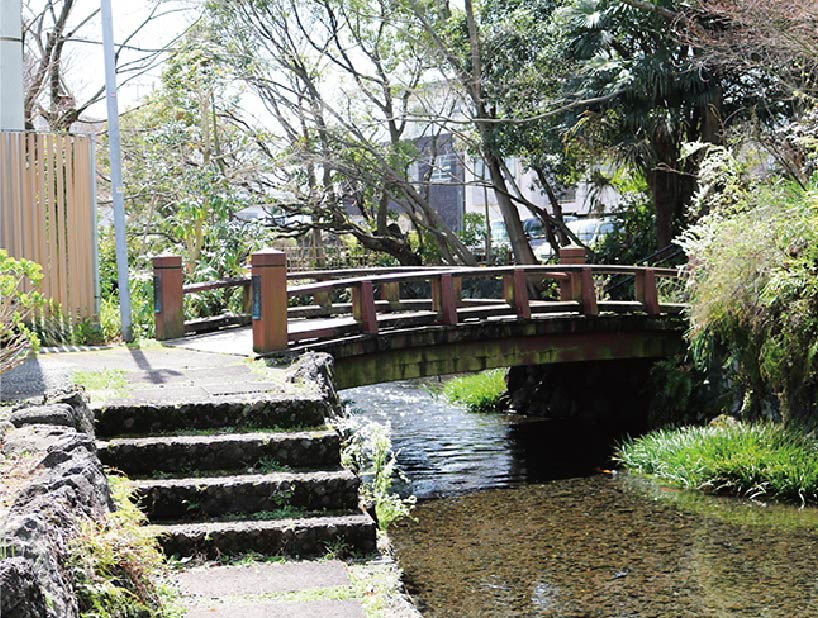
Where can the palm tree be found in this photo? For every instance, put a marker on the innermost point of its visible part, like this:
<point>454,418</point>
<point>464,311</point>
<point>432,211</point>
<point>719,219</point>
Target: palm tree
<point>652,94</point>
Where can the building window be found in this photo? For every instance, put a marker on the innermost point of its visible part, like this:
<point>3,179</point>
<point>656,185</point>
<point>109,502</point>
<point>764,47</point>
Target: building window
<point>443,170</point>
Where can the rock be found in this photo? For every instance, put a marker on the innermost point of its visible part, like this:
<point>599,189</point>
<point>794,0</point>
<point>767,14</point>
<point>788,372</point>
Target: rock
<point>21,597</point>
<point>315,369</point>
<point>56,414</point>
<point>66,485</point>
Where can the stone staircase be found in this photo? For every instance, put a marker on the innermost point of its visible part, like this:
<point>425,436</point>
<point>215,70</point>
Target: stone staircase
<point>232,476</point>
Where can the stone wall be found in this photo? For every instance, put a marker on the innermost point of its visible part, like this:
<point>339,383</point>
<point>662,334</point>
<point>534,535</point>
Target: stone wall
<point>52,479</point>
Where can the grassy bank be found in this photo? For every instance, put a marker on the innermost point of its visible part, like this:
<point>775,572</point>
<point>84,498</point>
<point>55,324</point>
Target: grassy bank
<point>760,461</point>
<point>479,392</point>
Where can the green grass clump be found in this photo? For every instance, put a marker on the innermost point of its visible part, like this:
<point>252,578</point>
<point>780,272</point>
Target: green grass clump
<point>760,461</point>
<point>102,380</point>
<point>479,392</point>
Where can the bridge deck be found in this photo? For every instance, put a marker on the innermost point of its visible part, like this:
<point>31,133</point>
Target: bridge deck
<point>239,340</point>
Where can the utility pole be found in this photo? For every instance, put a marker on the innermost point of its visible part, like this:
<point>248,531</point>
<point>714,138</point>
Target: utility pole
<point>11,66</point>
<point>117,190</point>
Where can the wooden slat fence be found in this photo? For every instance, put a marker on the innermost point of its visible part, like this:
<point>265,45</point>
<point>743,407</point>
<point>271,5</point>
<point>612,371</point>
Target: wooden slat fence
<point>47,213</point>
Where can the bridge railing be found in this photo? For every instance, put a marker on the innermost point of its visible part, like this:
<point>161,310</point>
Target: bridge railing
<point>288,307</point>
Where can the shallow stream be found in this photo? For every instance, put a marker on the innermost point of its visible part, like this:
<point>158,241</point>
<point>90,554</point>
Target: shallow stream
<point>519,518</point>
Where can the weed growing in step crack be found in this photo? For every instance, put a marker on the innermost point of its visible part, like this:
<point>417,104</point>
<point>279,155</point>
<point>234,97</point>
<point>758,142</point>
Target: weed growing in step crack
<point>337,549</point>
<point>266,465</point>
<point>367,451</point>
<point>115,563</point>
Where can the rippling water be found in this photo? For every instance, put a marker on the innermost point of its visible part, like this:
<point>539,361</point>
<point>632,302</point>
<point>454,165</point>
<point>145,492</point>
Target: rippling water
<point>518,527</point>
<point>445,450</point>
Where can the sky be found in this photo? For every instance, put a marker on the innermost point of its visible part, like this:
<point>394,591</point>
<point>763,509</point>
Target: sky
<point>85,61</point>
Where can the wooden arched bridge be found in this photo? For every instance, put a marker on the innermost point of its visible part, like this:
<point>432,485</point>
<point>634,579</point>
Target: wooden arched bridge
<point>377,329</point>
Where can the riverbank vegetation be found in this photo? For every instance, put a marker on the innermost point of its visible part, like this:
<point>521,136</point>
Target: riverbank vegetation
<point>479,392</point>
<point>764,462</point>
<point>18,299</point>
<point>367,451</point>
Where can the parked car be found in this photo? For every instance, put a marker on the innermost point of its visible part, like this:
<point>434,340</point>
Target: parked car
<point>588,231</point>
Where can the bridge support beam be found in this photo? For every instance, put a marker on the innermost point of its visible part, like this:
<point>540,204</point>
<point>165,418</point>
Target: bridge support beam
<point>515,291</point>
<point>168,314</point>
<point>390,292</point>
<point>572,288</point>
<point>269,281</point>
<point>589,306</point>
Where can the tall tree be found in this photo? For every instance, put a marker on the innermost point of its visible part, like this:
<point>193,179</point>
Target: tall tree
<point>189,168</point>
<point>458,40</point>
<point>650,94</point>
<point>338,78</point>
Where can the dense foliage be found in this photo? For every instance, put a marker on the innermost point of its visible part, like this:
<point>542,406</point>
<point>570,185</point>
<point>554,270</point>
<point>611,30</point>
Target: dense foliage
<point>115,563</point>
<point>753,285</point>
<point>479,392</point>
<point>367,451</point>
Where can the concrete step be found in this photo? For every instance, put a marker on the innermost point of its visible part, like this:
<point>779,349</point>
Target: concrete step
<point>205,498</point>
<point>305,538</point>
<point>234,451</point>
<point>171,415</point>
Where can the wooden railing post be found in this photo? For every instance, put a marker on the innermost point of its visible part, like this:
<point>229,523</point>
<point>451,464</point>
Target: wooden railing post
<point>570,289</point>
<point>646,292</point>
<point>589,306</point>
<point>168,314</point>
<point>457,283</point>
<point>324,300</point>
<point>444,299</point>
<point>269,277</point>
<point>247,298</point>
<point>363,307</point>
<point>391,292</point>
<point>515,292</point>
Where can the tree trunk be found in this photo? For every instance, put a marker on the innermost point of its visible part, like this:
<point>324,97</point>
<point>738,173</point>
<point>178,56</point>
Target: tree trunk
<point>514,227</point>
<point>671,190</point>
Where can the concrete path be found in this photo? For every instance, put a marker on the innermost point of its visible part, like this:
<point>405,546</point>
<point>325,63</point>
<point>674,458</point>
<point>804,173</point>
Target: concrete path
<point>262,590</point>
<point>150,373</point>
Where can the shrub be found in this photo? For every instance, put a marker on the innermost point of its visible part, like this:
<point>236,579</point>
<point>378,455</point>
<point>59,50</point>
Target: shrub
<point>18,298</point>
<point>753,286</point>
<point>759,461</point>
<point>479,392</point>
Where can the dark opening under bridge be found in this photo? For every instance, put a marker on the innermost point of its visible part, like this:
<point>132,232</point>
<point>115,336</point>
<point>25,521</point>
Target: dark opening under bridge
<point>377,332</point>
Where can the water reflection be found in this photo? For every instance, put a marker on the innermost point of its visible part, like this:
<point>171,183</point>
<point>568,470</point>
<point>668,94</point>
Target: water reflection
<point>540,539</point>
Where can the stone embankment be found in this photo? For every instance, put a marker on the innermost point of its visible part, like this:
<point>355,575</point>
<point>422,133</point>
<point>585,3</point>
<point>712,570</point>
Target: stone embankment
<point>52,480</point>
<point>241,473</point>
